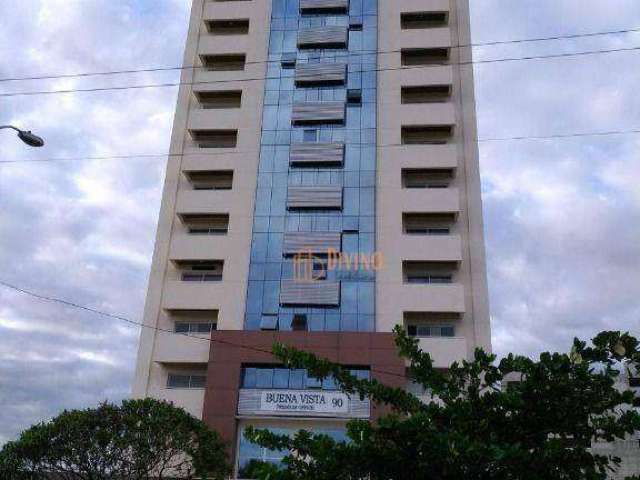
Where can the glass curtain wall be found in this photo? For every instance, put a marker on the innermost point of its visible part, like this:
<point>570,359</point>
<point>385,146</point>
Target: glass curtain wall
<point>357,176</point>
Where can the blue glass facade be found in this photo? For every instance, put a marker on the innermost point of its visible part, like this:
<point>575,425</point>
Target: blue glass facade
<point>251,452</point>
<point>357,176</point>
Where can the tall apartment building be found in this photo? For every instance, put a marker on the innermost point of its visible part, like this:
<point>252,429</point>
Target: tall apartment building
<point>324,188</point>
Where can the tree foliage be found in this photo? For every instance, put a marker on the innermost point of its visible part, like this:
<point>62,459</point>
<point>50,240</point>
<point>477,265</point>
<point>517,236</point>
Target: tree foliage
<point>140,439</point>
<point>471,428</point>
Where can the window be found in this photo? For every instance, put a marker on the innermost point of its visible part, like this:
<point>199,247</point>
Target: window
<point>228,27</point>
<point>634,382</point>
<point>194,321</point>
<point>205,224</point>
<point>310,136</point>
<point>186,380</point>
<point>194,328</point>
<point>355,26</point>
<point>431,330</point>
<point>426,134</point>
<point>354,97</point>
<point>269,322</point>
<point>299,323</point>
<point>423,56</point>
<point>215,138</point>
<point>411,20</point>
<point>426,94</point>
<point>269,377</point>
<point>249,452</point>
<point>431,324</point>
<point>200,270</point>
<point>210,179</point>
<point>288,60</point>
<point>418,272</point>
<point>224,63</point>
<point>427,178</point>
<point>428,223</point>
<point>219,99</point>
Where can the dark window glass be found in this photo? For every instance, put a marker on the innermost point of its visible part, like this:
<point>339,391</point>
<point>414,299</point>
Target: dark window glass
<point>361,374</point>
<point>281,378</point>
<point>299,323</point>
<point>447,331</point>
<point>249,378</point>
<point>354,96</point>
<point>329,383</point>
<point>182,327</point>
<point>310,136</point>
<point>269,322</point>
<point>264,378</point>
<point>296,379</point>
<point>313,382</point>
<point>412,330</point>
<point>203,327</point>
<point>178,381</point>
<point>198,381</point>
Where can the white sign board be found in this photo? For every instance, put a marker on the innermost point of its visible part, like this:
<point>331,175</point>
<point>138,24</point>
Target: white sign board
<point>301,402</point>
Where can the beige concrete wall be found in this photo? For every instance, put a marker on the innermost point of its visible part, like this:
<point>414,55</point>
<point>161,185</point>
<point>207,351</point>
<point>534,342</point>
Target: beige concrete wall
<point>172,243</point>
<point>469,293</point>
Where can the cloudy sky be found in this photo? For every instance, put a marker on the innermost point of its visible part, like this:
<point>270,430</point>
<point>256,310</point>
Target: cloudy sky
<point>562,216</point>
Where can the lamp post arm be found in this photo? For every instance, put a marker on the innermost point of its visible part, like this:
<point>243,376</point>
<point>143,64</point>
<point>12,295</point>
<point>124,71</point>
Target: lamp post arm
<point>11,127</point>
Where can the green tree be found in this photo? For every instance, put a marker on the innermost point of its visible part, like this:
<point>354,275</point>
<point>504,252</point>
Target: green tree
<point>140,439</point>
<point>538,428</point>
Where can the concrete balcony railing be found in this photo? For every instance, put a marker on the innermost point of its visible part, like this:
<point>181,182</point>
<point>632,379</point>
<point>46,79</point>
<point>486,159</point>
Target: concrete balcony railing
<point>430,200</point>
<point>430,298</point>
<point>179,295</point>
<point>205,201</point>
<point>185,246</point>
<point>438,113</point>
<point>425,38</point>
<point>217,119</point>
<point>435,248</point>
<point>444,350</point>
<point>175,349</point>
<point>228,10</point>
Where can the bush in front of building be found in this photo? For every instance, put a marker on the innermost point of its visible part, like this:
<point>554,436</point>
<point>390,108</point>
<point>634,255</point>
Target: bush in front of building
<point>473,423</point>
<point>139,439</point>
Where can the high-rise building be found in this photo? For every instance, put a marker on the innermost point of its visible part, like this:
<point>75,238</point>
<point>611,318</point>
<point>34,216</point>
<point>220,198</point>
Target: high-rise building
<point>323,187</point>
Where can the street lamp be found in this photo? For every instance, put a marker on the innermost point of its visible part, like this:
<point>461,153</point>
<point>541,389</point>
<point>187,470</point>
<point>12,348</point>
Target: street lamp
<point>26,136</point>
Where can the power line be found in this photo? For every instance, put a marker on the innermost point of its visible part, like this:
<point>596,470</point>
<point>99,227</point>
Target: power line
<point>368,52</point>
<point>239,80</point>
<point>167,154</point>
<point>566,135</point>
<point>121,318</point>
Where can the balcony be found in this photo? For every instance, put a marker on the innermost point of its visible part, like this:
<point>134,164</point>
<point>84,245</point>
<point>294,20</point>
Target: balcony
<point>172,348</point>
<point>434,248</point>
<point>431,298</point>
<point>437,113</point>
<point>444,350</point>
<point>228,10</point>
<point>425,37</point>
<point>216,44</point>
<point>205,200</point>
<point>430,200</point>
<point>179,295</point>
<point>218,119</point>
<point>185,245</point>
